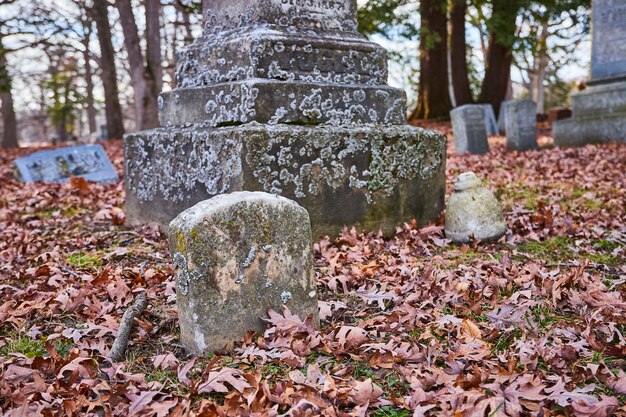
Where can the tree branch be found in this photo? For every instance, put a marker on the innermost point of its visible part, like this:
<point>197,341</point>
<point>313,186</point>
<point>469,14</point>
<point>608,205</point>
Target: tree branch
<point>126,326</point>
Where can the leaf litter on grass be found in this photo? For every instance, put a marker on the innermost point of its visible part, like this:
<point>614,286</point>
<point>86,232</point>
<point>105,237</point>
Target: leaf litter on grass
<point>411,325</point>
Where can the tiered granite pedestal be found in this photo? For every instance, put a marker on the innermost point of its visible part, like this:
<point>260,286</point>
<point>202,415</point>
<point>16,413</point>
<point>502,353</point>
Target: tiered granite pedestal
<point>284,96</point>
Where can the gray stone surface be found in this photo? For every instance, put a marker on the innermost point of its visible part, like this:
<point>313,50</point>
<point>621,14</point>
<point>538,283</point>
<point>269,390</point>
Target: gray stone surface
<point>331,15</point>
<point>490,119</point>
<point>265,53</point>
<point>273,102</point>
<point>599,112</point>
<point>473,212</point>
<point>580,131</point>
<point>468,126</point>
<point>599,115</point>
<point>521,125</point>
<point>609,40</point>
<point>599,100</point>
<point>502,119</point>
<point>365,176</point>
<point>284,96</point>
<point>59,165</point>
<point>236,256</point>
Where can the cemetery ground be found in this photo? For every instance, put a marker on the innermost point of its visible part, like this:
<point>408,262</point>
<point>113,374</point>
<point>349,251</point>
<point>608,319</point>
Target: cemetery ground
<point>412,325</point>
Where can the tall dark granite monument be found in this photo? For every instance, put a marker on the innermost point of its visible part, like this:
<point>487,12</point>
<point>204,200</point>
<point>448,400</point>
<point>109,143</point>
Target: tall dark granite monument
<point>286,97</point>
<point>599,112</point>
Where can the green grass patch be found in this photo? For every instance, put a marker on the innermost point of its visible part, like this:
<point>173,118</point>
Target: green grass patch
<point>553,250</point>
<point>84,261</point>
<point>452,258</point>
<point>604,259</point>
<point>271,369</point>
<point>32,348</point>
<point>48,213</point>
<point>606,245</point>
<point>163,376</point>
<point>24,345</point>
<point>395,383</point>
<point>542,318</point>
<point>529,196</point>
<point>389,411</point>
<point>53,212</point>
<point>505,340</point>
<point>560,249</point>
<point>578,192</point>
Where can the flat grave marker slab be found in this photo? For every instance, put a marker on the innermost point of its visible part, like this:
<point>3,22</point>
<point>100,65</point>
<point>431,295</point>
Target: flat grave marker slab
<point>59,165</point>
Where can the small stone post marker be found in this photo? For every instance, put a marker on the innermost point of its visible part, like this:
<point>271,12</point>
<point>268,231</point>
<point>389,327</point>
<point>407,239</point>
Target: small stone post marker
<point>236,256</point>
<point>286,97</point>
<point>473,212</point>
<point>520,118</point>
<point>470,133</point>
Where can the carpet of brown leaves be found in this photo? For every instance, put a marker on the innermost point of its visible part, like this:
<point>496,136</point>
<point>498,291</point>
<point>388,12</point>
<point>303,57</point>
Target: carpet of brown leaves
<point>411,325</point>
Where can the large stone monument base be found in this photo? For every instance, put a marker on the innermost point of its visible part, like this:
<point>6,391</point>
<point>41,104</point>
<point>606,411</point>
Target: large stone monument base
<point>286,97</point>
<point>599,115</point>
<point>599,112</point>
<point>367,176</point>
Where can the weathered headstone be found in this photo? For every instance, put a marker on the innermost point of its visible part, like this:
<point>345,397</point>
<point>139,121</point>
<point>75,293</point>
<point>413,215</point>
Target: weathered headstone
<point>599,112</point>
<point>473,212</point>
<point>468,126</point>
<point>502,119</point>
<point>286,97</point>
<point>490,119</point>
<point>521,125</point>
<point>236,256</point>
<point>59,165</point>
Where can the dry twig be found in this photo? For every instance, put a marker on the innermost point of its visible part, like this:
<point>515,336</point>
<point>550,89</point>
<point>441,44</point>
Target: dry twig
<point>126,326</point>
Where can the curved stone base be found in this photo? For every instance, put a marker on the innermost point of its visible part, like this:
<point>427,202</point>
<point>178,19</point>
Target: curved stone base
<point>599,115</point>
<point>596,129</point>
<point>368,176</point>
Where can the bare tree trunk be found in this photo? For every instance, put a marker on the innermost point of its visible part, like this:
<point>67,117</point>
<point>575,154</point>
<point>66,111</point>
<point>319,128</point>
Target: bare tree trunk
<point>144,83</point>
<point>115,123</point>
<point>434,97</point>
<point>500,53</point>
<point>9,121</point>
<point>539,71</point>
<point>42,117</point>
<point>186,21</point>
<point>91,109</point>
<point>153,44</point>
<point>458,53</point>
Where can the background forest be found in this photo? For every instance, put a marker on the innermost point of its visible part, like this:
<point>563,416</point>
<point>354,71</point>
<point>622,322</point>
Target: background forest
<point>73,69</point>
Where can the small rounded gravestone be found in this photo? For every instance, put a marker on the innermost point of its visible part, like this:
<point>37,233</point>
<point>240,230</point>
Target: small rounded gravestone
<point>473,212</point>
<point>236,256</point>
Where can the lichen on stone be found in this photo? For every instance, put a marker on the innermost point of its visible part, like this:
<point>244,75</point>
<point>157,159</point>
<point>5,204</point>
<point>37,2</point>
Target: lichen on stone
<point>250,258</point>
<point>194,158</point>
<point>286,296</point>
